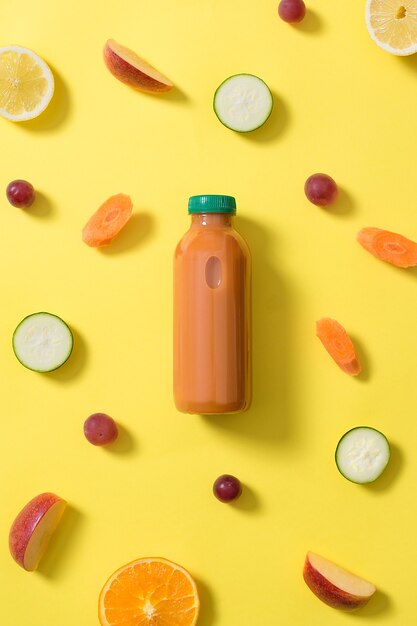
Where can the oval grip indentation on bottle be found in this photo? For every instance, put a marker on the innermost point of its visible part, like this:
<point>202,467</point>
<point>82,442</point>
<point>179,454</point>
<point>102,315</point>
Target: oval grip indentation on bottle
<point>213,272</point>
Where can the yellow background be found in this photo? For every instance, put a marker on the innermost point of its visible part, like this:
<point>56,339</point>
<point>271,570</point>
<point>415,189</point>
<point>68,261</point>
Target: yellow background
<point>342,106</point>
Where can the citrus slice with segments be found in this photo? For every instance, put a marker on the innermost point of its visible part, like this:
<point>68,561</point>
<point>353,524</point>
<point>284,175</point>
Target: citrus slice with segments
<point>149,592</point>
<point>392,24</point>
<point>26,84</point>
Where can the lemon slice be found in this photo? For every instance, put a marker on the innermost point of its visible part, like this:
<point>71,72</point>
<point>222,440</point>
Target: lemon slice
<point>392,24</point>
<point>26,84</point>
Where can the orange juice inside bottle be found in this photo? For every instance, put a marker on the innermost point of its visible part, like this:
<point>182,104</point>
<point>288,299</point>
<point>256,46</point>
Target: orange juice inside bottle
<point>212,311</point>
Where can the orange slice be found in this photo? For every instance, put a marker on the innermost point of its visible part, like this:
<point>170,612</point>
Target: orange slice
<point>149,592</point>
<point>392,24</point>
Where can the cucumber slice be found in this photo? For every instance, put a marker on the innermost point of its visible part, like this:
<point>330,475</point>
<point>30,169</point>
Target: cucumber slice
<point>243,102</point>
<point>362,454</point>
<point>42,342</point>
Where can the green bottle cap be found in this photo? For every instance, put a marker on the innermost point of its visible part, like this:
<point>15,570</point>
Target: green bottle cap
<point>212,204</point>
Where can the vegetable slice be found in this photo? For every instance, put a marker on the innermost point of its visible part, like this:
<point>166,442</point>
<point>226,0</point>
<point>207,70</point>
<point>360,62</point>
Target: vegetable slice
<point>42,342</point>
<point>108,221</point>
<point>390,247</point>
<point>362,454</point>
<point>243,102</point>
<point>338,344</point>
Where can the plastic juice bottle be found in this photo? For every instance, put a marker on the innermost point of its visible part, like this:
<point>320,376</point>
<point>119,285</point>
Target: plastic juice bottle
<point>212,311</point>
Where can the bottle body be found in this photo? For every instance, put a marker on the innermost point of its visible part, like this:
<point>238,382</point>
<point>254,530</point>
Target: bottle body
<point>212,318</point>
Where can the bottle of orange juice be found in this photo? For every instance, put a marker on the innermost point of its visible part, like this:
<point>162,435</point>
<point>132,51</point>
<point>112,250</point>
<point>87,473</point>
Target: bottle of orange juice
<point>212,311</point>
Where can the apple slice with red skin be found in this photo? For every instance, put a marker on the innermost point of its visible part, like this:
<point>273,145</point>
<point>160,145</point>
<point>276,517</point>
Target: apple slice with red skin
<point>33,527</point>
<point>335,586</point>
<point>129,68</point>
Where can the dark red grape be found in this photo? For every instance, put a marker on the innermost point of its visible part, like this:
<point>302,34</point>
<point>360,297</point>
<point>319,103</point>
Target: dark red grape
<point>321,189</point>
<point>100,429</point>
<point>20,193</point>
<point>227,488</point>
<point>292,11</point>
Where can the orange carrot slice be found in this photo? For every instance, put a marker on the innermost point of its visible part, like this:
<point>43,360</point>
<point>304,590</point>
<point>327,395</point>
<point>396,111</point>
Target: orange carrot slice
<point>389,247</point>
<point>338,344</point>
<point>108,221</point>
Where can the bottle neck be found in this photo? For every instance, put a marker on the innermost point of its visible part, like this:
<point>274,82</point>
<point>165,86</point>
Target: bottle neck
<point>211,219</point>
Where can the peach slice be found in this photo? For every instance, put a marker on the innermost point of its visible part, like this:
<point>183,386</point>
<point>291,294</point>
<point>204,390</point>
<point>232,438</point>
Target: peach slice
<point>129,68</point>
<point>33,527</point>
<point>335,586</point>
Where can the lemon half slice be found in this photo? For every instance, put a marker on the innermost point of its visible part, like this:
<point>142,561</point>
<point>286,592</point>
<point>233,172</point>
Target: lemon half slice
<point>392,24</point>
<point>26,84</point>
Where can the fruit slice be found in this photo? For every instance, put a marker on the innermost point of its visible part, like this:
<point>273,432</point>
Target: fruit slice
<point>26,84</point>
<point>335,586</point>
<point>243,102</point>
<point>153,592</point>
<point>338,344</point>
<point>33,527</point>
<point>362,454</point>
<point>42,342</point>
<point>389,247</point>
<point>392,24</point>
<point>130,69</point>
<point>108,221</point>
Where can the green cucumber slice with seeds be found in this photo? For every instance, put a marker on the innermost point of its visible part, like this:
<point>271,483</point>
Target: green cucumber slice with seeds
<point>362,454</point>
<point>243,102</point>
<point>42,342</point>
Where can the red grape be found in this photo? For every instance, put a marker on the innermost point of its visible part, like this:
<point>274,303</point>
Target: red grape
<point>100,429</point>
<point>321,189</point>
<point>291,11</point>
<point>20,193</point>
<point>227,488</point>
